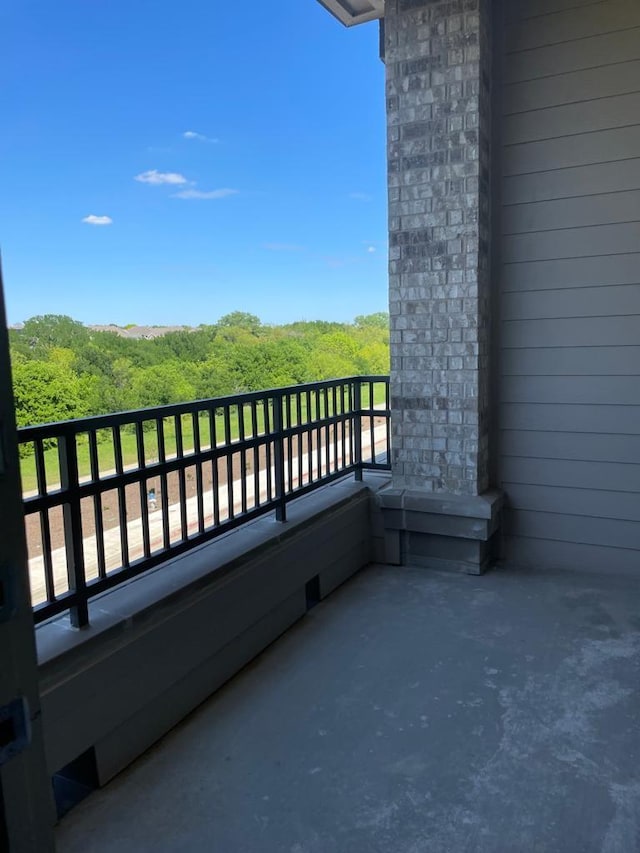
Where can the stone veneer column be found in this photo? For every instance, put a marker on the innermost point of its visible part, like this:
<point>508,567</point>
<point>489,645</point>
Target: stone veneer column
<point>438,61</point>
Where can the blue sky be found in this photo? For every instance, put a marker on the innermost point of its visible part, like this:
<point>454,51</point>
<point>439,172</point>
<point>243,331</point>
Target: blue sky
<point>273,202</point>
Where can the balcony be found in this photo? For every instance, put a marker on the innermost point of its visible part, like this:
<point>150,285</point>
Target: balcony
<point>242,668</point>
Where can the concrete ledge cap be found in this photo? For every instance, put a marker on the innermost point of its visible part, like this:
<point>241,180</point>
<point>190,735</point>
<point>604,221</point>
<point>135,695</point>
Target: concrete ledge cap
<point>391,498</point>
<point>117,611</point>
<point>486,505</point>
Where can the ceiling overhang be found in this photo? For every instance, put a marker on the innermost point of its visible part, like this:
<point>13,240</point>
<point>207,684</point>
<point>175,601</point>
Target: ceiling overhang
<point>351,12</point>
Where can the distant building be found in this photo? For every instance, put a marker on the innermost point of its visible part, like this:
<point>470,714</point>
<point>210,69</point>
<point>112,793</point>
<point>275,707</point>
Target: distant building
<point>139,332</point>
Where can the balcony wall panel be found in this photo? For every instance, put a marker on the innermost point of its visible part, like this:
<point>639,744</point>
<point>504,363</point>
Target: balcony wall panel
<point>608,86</point>
<point>573,446</point>
<point>582,149</point>
<point>569,384</point>
<point>612,177</point>
<point>537,24</point>
<point>609,420</point>
<point>572,361</point>
<point>603,271</point>
<point>588,502</point>
<point>567,57</point>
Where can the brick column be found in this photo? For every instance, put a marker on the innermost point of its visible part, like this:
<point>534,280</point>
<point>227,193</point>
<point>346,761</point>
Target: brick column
<point>438,61</point>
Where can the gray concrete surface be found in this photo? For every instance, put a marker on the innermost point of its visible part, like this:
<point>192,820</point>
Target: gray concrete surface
<point>411,712</point>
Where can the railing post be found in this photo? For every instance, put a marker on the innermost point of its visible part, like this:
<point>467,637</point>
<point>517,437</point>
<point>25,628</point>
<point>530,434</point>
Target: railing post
<point>68,457</point>
<point>281,507</point>
<point>357,426</point>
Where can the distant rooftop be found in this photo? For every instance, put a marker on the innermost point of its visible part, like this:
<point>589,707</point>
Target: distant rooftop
<point>351,12</point>
<point>147,332</point>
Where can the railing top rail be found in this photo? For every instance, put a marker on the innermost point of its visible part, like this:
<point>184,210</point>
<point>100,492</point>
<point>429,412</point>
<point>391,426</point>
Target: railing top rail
<point>132,416</point>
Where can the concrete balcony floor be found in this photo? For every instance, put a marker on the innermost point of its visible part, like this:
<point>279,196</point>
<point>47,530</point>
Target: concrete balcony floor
<point>411,712</point>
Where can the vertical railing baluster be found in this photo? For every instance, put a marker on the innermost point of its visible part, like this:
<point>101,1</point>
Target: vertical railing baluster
<point>45,527</point>
<point>280,496</point>
<point>343,429</point>
<point>197,445</point>
<point>256,454</point>
<point>334,428</point>
<point>357,428</point>
<point>164,496</point>
<point>94,467</point>
<point>299,437</point>
<point>41,472</point>
<point>143,489</point>
<point>318,432</point>
<point>68,459</point>
<point>122,498</point>
<point>387,401</point>
<point>215,469</point>
<point>267,447</point>
<point>372,421</point>
<point>327,434</point>
<point>309,434</point>
<point>288,443</point>
<point>243,459</point>
<point>229,460</point>
<point>182,485</point>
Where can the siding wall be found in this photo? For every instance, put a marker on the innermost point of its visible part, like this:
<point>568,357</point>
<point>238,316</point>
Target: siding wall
<point>569,395</point>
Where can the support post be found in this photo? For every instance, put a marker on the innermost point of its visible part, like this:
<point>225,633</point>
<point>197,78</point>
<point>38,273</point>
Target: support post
<point>73,536</point>
<point>439,93</point>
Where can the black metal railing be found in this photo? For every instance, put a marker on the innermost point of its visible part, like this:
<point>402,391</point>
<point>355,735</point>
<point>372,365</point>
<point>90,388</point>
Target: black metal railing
<point>109,497</point>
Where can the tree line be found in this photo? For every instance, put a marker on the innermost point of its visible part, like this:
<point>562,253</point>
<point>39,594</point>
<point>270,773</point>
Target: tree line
<point>63,369</point>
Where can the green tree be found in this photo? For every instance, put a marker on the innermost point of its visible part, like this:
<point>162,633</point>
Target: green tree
<point>53,330</point>
<point>379,320</point>
<point>45,391</point>
<point>185,346</point>
<point>64,370</point>
<point>240,320</point>
<point>162,384</point>
<point>373,359</point>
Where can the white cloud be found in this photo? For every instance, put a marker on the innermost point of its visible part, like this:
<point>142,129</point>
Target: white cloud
<point>283,247</point>
<point>153,176</point>
<point>92,219</point>
<point>221,193</point>
<point>192,134</point>
<point>358,196</point>
<point>371,249</point>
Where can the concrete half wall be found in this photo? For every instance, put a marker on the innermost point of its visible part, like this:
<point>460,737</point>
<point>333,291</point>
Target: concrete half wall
<point>161,644</point>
